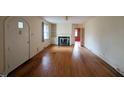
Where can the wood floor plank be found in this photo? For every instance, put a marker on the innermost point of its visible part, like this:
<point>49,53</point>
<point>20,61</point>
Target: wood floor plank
<point>57,61</point>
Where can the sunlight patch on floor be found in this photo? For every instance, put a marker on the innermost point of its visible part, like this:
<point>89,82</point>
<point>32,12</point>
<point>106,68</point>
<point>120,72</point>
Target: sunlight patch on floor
<point>76,50</point>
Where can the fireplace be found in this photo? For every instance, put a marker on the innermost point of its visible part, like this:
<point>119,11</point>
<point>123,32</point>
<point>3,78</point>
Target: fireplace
<point>63,40</point>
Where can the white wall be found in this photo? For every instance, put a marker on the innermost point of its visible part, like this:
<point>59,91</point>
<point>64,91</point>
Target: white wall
<point>65,30</point>
<point>105,37</point>
<point>1,45</point>
<point>36,40</point>
<point>36,44</point>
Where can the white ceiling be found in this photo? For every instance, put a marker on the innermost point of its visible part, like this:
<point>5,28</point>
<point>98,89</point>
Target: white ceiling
<point>71,19</point>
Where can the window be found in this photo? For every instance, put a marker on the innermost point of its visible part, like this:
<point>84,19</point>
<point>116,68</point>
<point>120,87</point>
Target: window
<point>45,31</point>
<point>20,25</point>
<point>76,33</point>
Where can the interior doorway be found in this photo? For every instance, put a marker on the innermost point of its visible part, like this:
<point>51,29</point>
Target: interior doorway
<point>77,36</point>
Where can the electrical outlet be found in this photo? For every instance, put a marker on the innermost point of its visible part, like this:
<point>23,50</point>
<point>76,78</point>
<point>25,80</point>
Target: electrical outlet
<point>37,49</point>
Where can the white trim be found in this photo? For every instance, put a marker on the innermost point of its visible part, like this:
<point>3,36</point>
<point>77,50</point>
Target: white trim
<point>106,60</point>
<point>3,75</point>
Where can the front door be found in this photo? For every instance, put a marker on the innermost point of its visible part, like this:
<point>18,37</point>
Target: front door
<point>16,42</point>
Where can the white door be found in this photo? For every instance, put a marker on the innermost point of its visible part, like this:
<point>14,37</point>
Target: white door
<point>16,42</point>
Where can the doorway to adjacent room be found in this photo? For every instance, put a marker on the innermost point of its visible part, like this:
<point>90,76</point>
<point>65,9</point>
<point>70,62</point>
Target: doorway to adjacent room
<point>77,37</point>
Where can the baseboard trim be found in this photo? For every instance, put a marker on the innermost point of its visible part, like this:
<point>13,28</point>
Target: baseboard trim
<point>1,75</point>
<point>106,60</point>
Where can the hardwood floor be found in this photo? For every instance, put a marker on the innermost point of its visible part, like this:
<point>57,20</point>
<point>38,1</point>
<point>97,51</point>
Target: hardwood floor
<point>65,62</point>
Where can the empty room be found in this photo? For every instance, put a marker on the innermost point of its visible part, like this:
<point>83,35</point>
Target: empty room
<point>61,46</point>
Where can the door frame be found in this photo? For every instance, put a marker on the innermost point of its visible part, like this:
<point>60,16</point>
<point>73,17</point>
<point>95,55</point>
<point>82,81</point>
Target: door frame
<point>4,39</point>
<point>78,33</point>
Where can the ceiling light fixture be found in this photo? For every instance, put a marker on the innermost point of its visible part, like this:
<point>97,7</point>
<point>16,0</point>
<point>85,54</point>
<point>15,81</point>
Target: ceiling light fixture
<point>66,18</point>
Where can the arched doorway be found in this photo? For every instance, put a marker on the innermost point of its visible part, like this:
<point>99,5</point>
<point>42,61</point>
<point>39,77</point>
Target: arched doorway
<point>17,42</point>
